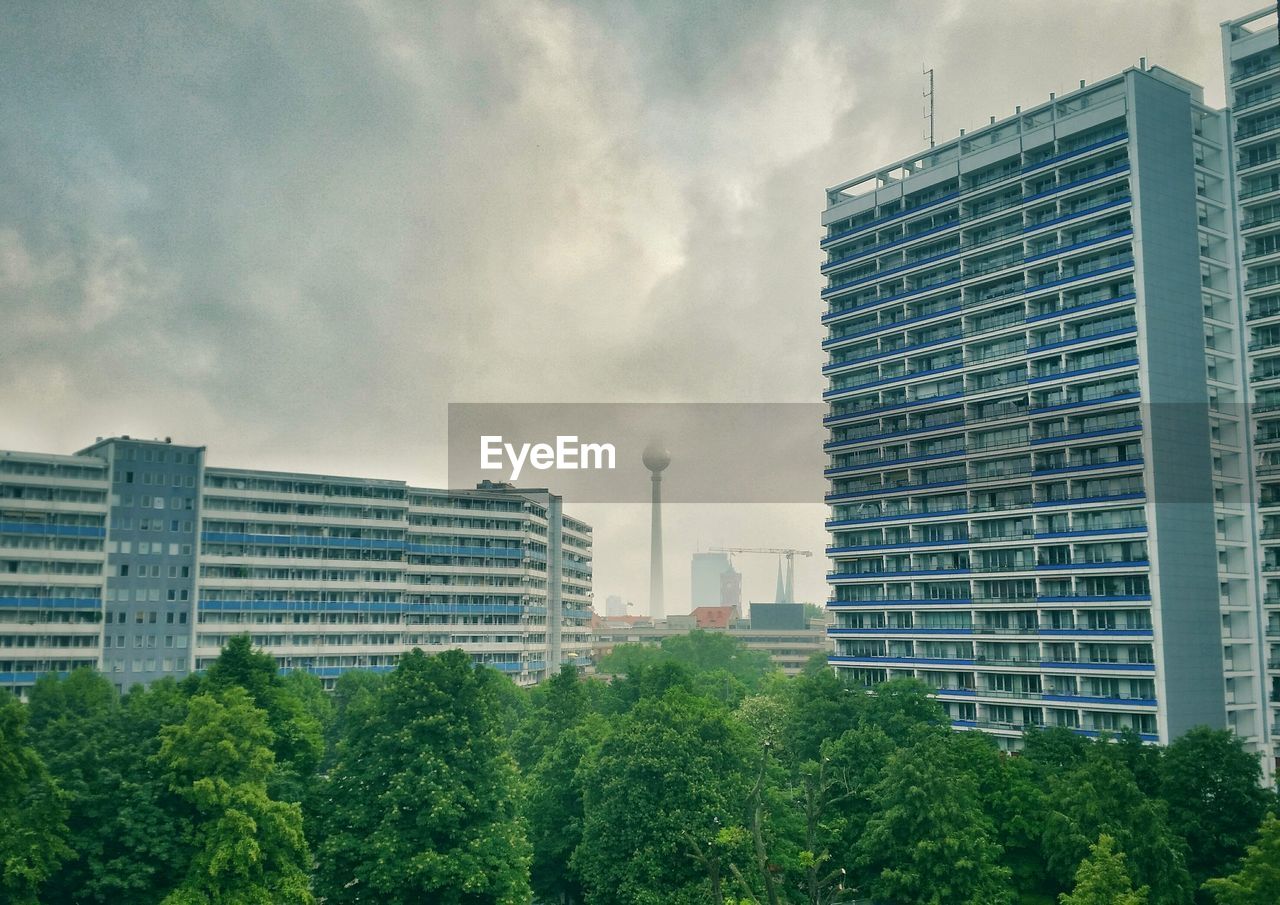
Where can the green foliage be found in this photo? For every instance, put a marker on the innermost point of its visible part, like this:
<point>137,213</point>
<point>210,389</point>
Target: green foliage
<point>1257,882</point>
<point>705,652</point>
<point>1210,784</point>
<point>248,848</point>
<point>1099,796</point>
<point>293,716</point>
<point>818,707</point>
<point>553,809</point>
<point>127,828</point>
<point>421,804</point>
<point>698,774</point>
<point>698,652</point>
<point>553,707</point>
<point>665,785</point>
<point>32,811</point>
<point>928,840</point>
<point>1102,879</point>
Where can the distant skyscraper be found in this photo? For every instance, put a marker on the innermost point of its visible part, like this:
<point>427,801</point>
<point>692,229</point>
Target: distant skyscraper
<point>615,606</point>
<point>705,578</point>
<point>731,588</point>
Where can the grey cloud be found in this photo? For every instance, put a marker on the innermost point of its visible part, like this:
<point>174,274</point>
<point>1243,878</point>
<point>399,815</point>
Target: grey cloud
<point>296,231</point>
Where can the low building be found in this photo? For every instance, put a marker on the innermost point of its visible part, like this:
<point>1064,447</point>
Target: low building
<point>136,558</point>
<point>790,647</point>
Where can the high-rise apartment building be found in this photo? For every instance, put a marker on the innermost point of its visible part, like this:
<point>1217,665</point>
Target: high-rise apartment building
<point>1252,68</point>
<point>53,533</point>
<point>1040,474</point>
<point>136,558</point>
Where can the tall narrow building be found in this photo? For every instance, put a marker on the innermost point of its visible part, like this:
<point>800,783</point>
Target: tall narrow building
<point>1251,65</point>
<point>1038,444</point>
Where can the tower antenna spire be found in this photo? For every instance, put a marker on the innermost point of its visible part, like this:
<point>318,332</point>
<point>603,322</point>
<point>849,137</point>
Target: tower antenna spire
<point>928,96</point>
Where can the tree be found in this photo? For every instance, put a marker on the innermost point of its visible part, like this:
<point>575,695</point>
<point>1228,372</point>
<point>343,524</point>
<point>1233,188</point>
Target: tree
<point>664,799</point>
<point>33,814</point>
<point>704,652</point>
<point>248,848</point>
<point>698,652</point>
<point>554,812</point>
<point>421,805</point>
<point>126,827</point>
<point>1257,882</point>
<point>647,682</point>
<point>76,728</point>
<point>904,708</point>
<point>293,716</point>
<point>554,707</point>
<point>836,795</point>
<point>355,697</point>
<point>928,840</point>
<point>1099,796</point>
<point>1212,788</point>
<point>1102,880</point>
<point>819,706</point>
<point>1017,805</point>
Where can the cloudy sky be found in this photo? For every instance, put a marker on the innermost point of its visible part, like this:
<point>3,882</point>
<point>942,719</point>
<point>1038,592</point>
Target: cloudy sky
<point>294,232</point>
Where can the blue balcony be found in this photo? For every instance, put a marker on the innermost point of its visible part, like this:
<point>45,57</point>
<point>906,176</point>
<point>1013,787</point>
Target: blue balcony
<point>1066,155</point>
<point>909,403</point>
<point>51,603</point>
<point>898,661</point>
<point>1097,466</point>
<point>1083,212</point>
<point>46,530</point>
<point>1076,183</point>
<point>1077,340</point>
<point>889,353</point>
<point>1092,532</point>
<point>1085,435</point>
<point>878,328</point>
<point>1101,400</point>
<point>872,548</point>
<point>834,577</point>
<point>888,218</point>
<point>902,601</point>
<point>1071,665</point>
<point>901,488</point>
<point>840,523</point>
<point>836,632</point>
<point>881,463</point>
<point>1071,501</point>
<point>1120,564</point>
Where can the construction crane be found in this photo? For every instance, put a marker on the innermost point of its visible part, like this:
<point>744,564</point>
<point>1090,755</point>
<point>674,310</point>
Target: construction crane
<point>787,591</point>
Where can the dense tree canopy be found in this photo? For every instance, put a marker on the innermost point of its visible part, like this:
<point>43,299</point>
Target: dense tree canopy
<point>691,773</point>
<point>422,802</point>
<point>32,812</point>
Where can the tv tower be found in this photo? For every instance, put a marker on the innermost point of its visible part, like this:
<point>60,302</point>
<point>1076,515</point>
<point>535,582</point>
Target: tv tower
<point>656,458</point>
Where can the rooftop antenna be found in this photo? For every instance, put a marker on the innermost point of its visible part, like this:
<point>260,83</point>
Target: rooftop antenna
<point>928,95</point>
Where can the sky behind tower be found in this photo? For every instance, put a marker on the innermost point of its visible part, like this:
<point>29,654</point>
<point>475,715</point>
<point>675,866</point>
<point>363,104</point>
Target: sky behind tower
<point>295,232</point>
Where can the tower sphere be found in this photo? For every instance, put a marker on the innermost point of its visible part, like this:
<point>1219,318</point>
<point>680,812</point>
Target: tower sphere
<point>656,457</point>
